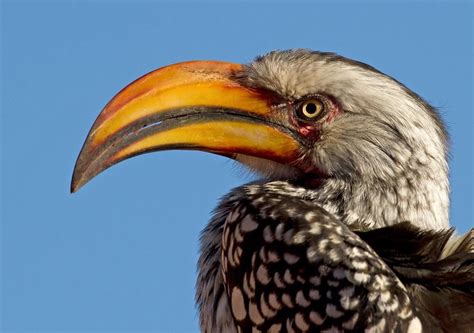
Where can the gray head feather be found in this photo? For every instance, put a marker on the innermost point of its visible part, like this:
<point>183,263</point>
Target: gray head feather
<point>385,154</point>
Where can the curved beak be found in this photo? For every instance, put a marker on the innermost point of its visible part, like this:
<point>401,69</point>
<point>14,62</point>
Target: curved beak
<point>193,105</point>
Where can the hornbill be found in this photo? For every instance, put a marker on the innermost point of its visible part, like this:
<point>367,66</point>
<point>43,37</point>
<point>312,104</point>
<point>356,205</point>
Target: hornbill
<point>347,230</point>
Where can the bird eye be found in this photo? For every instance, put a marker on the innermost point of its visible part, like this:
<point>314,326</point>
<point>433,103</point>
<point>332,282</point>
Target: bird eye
<point>311,109</point>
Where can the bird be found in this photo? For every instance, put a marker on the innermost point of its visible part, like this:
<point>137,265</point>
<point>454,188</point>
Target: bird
<point>347,227</point>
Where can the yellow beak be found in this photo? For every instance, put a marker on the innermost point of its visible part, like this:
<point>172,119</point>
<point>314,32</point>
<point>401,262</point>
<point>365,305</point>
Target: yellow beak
<point>193,105</point>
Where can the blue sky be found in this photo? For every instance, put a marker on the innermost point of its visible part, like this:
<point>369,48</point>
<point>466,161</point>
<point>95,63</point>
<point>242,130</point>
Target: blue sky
<point>120,255</point>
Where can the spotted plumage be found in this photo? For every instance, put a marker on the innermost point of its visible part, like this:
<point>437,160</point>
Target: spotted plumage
<point>348,228</point>
<point>284,264</point>
<point>305,273</point>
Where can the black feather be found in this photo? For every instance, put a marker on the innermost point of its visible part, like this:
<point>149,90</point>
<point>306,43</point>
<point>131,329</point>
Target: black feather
<point>442,288</point>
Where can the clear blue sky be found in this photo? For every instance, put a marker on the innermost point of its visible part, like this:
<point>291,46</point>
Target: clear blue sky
<point>120,255</point>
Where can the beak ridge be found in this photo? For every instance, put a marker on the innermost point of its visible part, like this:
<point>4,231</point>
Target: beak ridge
<point>192,105</point>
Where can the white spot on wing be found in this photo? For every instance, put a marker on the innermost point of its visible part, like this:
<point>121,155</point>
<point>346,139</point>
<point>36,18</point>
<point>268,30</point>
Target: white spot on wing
<point>289,327</point>
<point>275,328</point>
<point>339,273</point>
<point>265,309</point>
<point>290,258</point>
<point>361,277</point>
<point>286,299</point>
<point>301,299</point>
<point>301,322</point>
<point>415,326</point>
<point>332,311</point>
<point>316,318</point>
<point>288,277</point>
<point>314,294</point>
<point>268,234</point>
<point>273,301</point>
<point>254,314</point>
<point>238,306</point>
<point>278,282</point>
<point>262,275</point>
<point>359,264</point>
<point>315,280</point>
<point>279,231</point>
<point>273,256</point>
<point>248,224</point>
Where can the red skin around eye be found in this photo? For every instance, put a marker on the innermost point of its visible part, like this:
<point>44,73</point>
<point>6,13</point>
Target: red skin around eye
<point>313,130</point>
<point>309,131</point>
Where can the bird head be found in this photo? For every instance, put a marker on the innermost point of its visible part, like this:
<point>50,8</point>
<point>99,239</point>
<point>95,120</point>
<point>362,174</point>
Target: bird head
<point>295,115</point>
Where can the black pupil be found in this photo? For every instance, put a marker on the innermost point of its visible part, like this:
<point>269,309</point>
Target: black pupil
<point>311,108</point>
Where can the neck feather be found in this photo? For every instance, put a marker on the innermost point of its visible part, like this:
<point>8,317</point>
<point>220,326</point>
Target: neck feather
<point>419,194</point>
